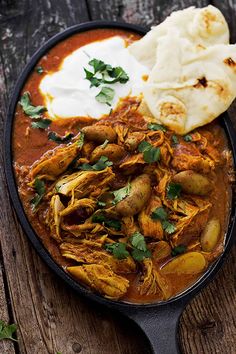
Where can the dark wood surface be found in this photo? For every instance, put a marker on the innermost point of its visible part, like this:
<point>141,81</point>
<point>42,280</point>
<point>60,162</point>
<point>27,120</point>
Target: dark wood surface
<point>50,316</point>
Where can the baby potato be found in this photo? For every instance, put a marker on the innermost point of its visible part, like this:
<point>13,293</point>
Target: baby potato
<point>112,151</point>
<point>210,235</point>
<point>139,194</point>
<point>187,263</point>
<point>99,133</point>
<point>192,182</point>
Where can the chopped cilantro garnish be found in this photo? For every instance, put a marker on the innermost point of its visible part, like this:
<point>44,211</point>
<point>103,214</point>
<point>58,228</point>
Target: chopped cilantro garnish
<point>150,153</point>
<point>39,70</point>
<point>30,110</point>
<point>174,140</point>
<point>155,126</point>
<point>118,249</point>
<point>80,141</point>
<point>139,255</point>
<point>121,193</point>
<point>101,164</point>
<point>60,139</point>
<point>41,123</point>
<point>178,250</point>
<point>111,223</point>
<point>161,215</point>
<point>101,204</point>
<point>173,190</point>
<point>40,189</point>
<point>6,331</point>
<point>106,95</point>
<point>188,138</point>
<point>140,250</point>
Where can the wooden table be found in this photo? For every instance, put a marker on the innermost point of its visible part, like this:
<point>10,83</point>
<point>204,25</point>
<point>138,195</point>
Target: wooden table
<point>50,317</point>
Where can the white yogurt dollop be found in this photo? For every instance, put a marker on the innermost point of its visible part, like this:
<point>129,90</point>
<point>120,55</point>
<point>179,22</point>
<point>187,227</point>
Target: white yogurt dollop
<point>68,94</point>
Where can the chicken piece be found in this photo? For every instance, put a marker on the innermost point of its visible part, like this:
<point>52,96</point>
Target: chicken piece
<point>129,226</point>
<point>88,204</point>
<point>101,279</point>
<point>186,156</point>
<point>148,226</point>
<point>160,251</point>
<point>131,163</point>
<point>81,184</point>
<point>91,253</point>
<point>53,217</point>
<point>54,162</point>
<point>153,282</point>
<point>81,229</point>
<point>133,140</point>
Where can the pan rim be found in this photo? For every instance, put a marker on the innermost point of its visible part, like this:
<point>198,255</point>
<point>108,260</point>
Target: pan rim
<point>187,294</point>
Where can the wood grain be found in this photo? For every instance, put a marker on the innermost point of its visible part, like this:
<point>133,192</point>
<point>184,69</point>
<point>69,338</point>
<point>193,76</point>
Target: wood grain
<point>50,316</point>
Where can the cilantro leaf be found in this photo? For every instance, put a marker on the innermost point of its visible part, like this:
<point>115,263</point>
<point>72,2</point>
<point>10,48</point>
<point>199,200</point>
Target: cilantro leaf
<point>98,65</point>
<point>121,193</point>
<point>41,123</point>
<point>173,190</point>
<point>150,153</point>
<point>39,70</point>
<point>60,139</point>
<point>101,204</point>
<point>6,331</point>
<point>101,164</point>
<point>118,250</point>
<point>139,255</point>
<point>159,214</point>
<point>168,227</point>
<point>155,126</point>
<point>188,138</point>
<point>118,74</point>
<point>40,189</point>
<point>110,223</point>
<point>106,95</point>
<point>178,250</point>
<point>174,140</point>
<point>137,240</point>
<point>30,110</point>
<point>80,141</point>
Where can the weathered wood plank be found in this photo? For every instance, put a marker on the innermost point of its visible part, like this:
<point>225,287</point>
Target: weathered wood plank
<point>145,13</point>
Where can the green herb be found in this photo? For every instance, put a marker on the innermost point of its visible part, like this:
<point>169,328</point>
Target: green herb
<point>80,141</point>
<point>41,123</point>
<point>188,138</point>
<point>39,70</point>
<point>104,144</point>
<point>40,189</point>
<point>173,190</point>
<point>174,140</point>
<point>118,74</point>
<point>140,250</point>
<point>101,204</point>
<point>106,95</point>
<point>150,153</point>
<point>178,250</point>
<point>6,331</point>
<point>99,65</point>
<point>121,193</point>
<point>111,223</point>
<point>118,250</point>
<point>30,110</point>
<point>101,164</point>
<point>155,126</point>
<point>60,139</point>
<point>168,227</point>
<point>161,215</point>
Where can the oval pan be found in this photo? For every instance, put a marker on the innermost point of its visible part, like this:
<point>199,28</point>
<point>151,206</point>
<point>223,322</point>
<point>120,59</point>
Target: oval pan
<point>159,321</point>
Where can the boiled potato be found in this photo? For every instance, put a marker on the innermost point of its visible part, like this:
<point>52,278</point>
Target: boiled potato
<point>187,263</point>
<point>114,152</point>
<point>100,133</point>
<point>139,194</point>
<point>192,182</point>
<point>210,235</point>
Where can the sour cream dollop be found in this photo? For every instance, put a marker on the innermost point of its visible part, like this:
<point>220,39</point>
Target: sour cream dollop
<point>68,94</point>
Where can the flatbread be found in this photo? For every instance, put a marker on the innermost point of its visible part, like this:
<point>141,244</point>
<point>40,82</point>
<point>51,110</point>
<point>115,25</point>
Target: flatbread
<point>201,26</point>
<point>190,88</point>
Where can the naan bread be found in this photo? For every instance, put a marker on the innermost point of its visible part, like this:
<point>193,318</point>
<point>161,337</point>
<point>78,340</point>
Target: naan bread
<point>202,27</point>
<point>189,88</point>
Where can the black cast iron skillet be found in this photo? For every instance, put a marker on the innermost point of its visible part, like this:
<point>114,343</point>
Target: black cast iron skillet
<point>158,321</point>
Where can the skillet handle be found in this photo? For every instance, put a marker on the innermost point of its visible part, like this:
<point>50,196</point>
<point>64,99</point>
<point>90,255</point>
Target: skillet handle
<point>160,325</point>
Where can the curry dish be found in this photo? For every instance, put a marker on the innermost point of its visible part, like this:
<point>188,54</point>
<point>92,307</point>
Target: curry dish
<point>126,207</point>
